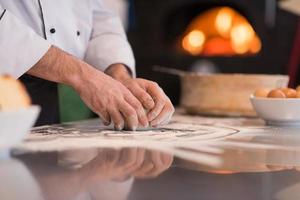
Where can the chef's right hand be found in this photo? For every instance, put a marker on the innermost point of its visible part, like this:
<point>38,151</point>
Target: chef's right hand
<point>112,101</point>
<point>107,97</point>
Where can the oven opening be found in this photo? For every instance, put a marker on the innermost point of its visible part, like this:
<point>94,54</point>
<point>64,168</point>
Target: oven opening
<point>220,31</point>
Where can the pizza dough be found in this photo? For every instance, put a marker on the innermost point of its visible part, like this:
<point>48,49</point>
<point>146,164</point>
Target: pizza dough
<point>13,95</point>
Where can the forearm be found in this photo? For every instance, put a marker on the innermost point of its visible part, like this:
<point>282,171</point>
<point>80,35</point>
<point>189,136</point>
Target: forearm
<point>107,97</point>
<point>61,67</point>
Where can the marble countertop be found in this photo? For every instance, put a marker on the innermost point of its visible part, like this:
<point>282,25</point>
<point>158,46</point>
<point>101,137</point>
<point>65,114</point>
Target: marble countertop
<point>191,158</point>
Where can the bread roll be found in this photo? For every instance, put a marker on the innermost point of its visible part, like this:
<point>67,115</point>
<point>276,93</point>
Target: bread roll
<point>13,94</point>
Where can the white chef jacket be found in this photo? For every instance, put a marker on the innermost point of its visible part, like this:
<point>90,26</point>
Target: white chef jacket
<point>121,7</point>
<point>83,28</point>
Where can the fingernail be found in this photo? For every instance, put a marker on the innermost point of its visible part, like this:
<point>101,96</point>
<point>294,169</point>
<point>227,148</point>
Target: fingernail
<point>153,124</point>
<point>133,128</point>
<point>119,127</point>
<point>146,124</point>
<point>156,122</point>
<point>106,123</point>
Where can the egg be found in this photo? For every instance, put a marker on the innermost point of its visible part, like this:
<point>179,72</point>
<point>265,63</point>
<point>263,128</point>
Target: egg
<point>289,92</point>
<point>261,93</point>
<point>277,93</point>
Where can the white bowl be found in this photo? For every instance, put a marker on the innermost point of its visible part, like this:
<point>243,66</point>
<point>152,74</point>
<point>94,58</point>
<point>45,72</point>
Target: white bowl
<point>14,125</point>
<point>278,111</point>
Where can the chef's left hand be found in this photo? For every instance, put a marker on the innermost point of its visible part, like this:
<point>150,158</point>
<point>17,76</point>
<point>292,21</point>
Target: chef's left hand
<point>152,97</point>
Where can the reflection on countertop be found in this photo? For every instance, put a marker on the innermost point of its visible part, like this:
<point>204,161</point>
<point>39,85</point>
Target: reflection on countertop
<point>213,158</point>
<point>94,173</point>
<point>136,173</point>
<point>17,181</point>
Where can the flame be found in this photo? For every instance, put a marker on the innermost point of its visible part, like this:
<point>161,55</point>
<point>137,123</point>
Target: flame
<point>255,46</point>
<point>221,31</point>
<point>193,42</point>
<point>241,37</point>
<point>223,21</point>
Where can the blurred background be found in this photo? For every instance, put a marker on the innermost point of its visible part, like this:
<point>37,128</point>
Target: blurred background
<point>209,36</point>
<point>228,36</point>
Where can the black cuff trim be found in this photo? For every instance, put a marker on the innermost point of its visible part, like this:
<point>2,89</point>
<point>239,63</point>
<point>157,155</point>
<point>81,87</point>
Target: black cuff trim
<point>2,14</point>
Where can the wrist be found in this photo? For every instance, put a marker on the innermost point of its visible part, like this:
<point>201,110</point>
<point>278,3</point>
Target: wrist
<point>83,74</point>
<point>76,72</point>
<point>119,72</point>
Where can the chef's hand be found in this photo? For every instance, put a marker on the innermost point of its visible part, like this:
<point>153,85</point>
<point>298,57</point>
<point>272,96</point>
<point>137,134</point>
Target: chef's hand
<point>112,101</point>
<point>148,93</point>
<point>154,164</point>
<point>121,164</point>
<point>153,99</point>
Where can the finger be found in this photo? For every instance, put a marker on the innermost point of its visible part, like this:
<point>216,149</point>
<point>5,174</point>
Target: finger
<point>165,115</point>
<point>167,159</point>
<point>166,120</point>
<point>141,114</point>
<point>158,165</point>
<point>104,116</point>
<point>159,98</point>
<point>154,113</point>
<point>150,165</point>
<point>117,119</point>
<point>141,157</point>
<point>128,157</point>
<point>131,160</point>
<point>142,96</point>
<point>137,164</point>
<point>76,158</point>
<point>162,162</point>
<point>130,116</point>
<point>143,120</point>
<point>111,156</point>
<point>144,169</point>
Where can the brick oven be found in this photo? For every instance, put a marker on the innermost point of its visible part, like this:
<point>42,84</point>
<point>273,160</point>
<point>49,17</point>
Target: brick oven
<point>158,29</point>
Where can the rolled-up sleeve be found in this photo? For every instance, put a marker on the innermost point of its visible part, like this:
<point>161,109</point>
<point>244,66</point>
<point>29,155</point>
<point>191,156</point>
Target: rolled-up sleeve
<point>108,44</point>
<point>20,47</point>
